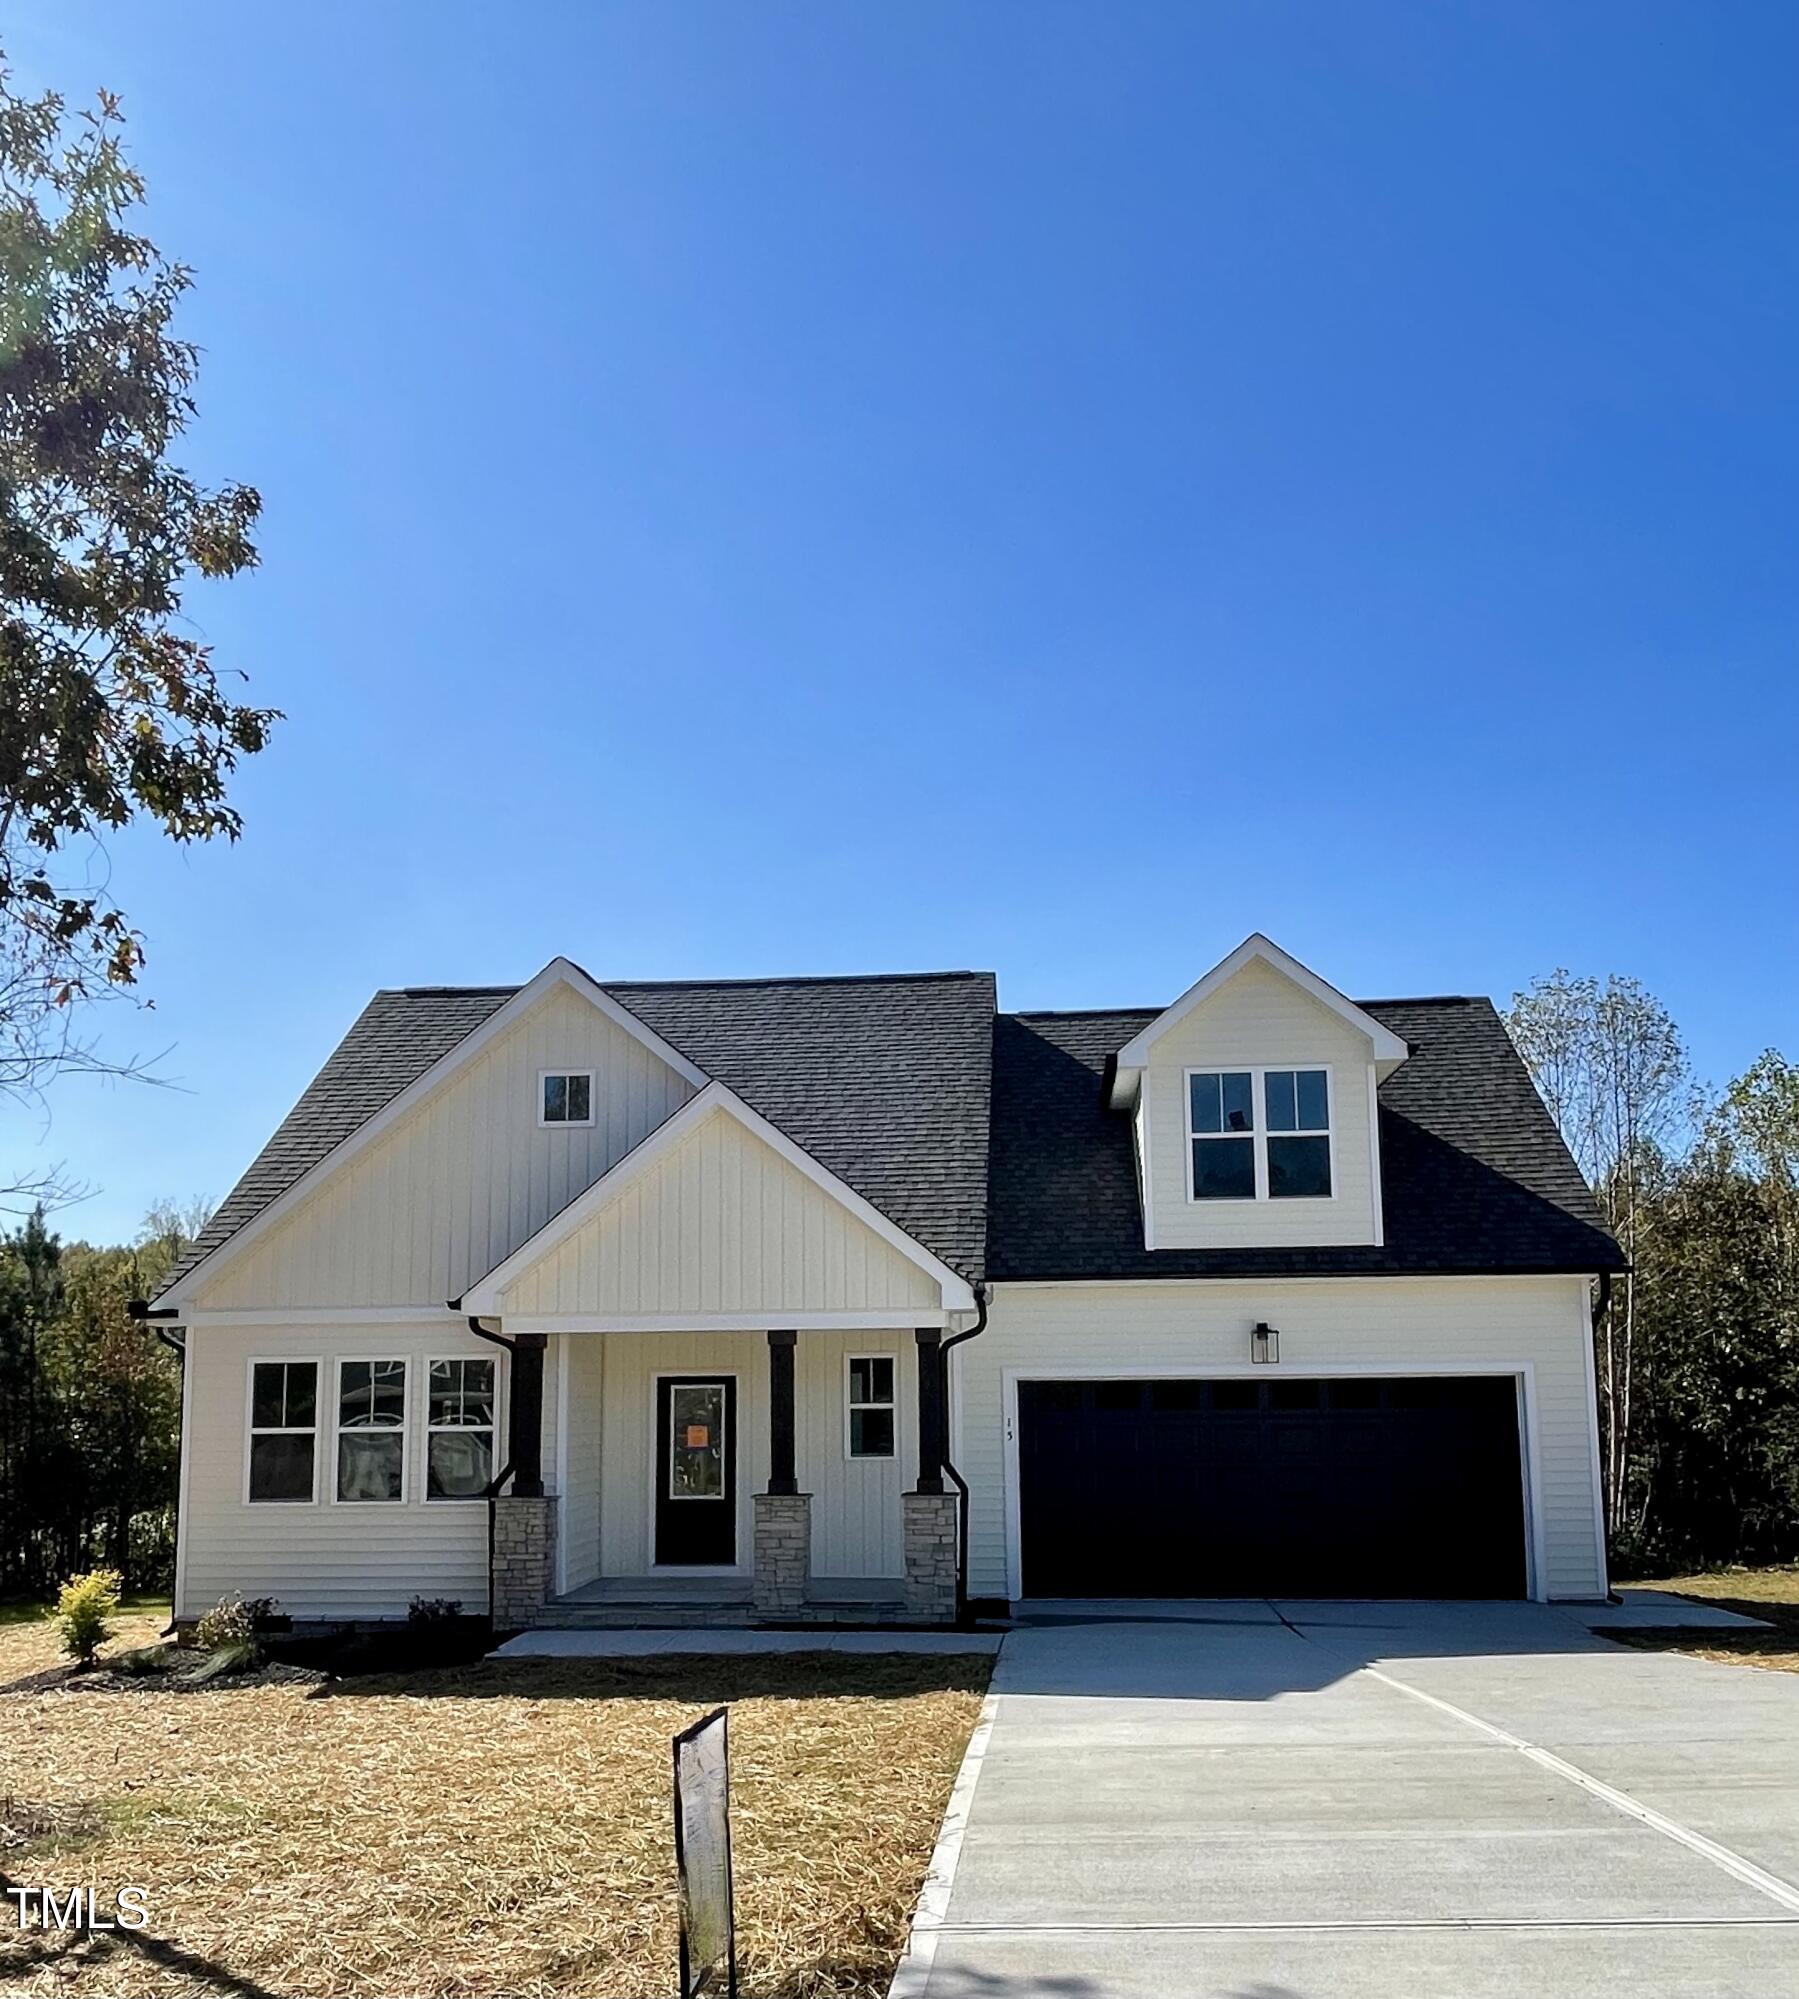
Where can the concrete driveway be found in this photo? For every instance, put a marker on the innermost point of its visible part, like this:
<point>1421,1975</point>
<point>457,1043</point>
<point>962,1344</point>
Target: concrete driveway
<point>1338,1801</point>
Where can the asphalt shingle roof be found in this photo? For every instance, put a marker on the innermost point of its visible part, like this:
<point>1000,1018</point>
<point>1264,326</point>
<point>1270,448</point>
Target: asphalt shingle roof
<point>1474,1175</point>
<point>987,1138</point>
<point>884,1080</point>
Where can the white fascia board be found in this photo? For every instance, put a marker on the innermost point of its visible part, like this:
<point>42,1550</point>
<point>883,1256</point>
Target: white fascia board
<point>1389,1049</point>
<point>486,1296</point>
<point>558,972</point>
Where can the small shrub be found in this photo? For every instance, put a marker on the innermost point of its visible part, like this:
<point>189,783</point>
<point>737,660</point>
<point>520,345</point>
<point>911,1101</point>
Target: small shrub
<point>232,1621</point>
<point>424,1612</point>
<point>82,1611</point>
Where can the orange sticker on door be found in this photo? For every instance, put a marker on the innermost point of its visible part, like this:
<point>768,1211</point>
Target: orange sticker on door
<point>698,1436</point>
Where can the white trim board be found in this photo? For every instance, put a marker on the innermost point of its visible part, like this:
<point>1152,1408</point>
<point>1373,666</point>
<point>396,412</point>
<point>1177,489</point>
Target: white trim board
<point>486,1298</point>
<point>889,1319</point>
<point>558,972</point>
<point>1536,1572</point>
<point>1388,1049</point>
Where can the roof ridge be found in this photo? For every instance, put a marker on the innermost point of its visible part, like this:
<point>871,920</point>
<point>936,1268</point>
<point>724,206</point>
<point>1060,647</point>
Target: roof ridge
<point>700,985</point>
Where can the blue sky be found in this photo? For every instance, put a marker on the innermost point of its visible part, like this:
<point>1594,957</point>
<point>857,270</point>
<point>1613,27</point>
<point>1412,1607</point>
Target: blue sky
<point>764,488</point>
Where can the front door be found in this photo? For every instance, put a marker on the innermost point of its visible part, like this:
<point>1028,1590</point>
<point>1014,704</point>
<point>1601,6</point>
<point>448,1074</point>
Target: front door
<point>696,1472</point>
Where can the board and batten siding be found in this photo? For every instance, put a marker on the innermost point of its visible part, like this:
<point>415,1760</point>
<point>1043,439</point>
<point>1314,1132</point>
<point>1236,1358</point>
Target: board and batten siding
<point>1258,1019</point>
<point>323,1558</point>
<point>1372,1325</point>
<point>580,1373</point>
<point>721,1223</point>
<point>856,1527</point>
<point>465,1178</point>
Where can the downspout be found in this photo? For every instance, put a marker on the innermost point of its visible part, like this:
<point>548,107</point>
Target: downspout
<point>505,1472</point>
<point>143,1312</point>
<point>981,1295</point>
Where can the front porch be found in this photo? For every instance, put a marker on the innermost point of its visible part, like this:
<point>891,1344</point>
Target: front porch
<point>708,1479</point>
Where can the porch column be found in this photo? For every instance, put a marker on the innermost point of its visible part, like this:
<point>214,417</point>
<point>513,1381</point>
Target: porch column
<point>933,1399</point>
<point>524,1420</point>
<point>783,1550</point>
<point>781,1474</point>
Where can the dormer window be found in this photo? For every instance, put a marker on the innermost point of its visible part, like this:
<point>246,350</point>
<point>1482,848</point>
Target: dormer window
<point>565,1097</point>
<point>1236,1155</point>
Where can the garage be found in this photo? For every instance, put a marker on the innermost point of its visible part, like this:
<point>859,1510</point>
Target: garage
<point>1350,1486</point>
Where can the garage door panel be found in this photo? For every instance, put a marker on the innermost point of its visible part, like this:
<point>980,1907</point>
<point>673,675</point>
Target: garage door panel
<point>1302,1487</point>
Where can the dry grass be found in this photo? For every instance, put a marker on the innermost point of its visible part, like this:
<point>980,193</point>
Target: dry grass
<point>1770,1594</point>
<point>493,1829</point>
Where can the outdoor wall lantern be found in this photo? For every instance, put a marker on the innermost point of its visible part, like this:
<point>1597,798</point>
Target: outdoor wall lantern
<point>1265,1344</point>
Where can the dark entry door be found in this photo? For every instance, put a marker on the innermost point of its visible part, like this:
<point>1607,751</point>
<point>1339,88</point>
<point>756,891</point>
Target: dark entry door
<point>1277,1487</point>
<point>696,1471</point>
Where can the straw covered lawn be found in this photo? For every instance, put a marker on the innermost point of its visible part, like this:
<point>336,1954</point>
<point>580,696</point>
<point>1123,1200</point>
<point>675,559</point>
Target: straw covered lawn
<point>492,1829</point>
<point>1770,1594</point>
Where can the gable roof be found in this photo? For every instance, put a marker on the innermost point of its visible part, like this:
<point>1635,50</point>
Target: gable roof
<point>1474,1174</point>
<point>715,1100</point>
<point>1127,1064</point>
<point>884,1080</point>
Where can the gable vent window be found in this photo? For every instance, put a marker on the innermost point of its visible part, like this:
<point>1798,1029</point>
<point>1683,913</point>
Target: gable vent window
<point>1259,1134</point>
<point>566,1096</point>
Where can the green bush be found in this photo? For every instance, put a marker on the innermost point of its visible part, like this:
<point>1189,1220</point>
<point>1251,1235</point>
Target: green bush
<point>233,1622</point>
<point>82,1611</point>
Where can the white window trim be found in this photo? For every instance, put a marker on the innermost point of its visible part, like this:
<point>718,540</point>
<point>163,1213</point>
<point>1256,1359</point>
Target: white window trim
<point>564,1123</point>
<point>1259,1135</point>
<point>253,1430</point>
<point>458,1429</point>
<point>855,1457</point>
<point>403,1430</point>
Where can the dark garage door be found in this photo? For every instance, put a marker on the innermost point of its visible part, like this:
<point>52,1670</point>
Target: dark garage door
<point>1271,1488</point>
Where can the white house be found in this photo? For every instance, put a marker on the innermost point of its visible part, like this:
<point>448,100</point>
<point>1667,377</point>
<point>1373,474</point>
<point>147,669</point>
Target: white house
<point>705,1301</point>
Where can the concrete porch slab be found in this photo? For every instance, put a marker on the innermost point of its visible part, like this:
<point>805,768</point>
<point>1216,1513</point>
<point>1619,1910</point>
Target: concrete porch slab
<point>737,1644</point>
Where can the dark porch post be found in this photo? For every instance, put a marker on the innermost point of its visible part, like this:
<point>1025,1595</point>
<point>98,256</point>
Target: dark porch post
<point>933,1409</point>
<point>781,1474</point>
<point>524,1421</point>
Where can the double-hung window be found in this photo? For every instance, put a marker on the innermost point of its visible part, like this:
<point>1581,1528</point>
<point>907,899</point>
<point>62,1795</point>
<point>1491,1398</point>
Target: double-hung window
<point>459,1429</point>
<point>870,1424</point>
<point>1259,1134</point>
<point>1299,1133</point>
<point>371,1429</point>
<point>1221,1112</point>
<point>284,1425</point>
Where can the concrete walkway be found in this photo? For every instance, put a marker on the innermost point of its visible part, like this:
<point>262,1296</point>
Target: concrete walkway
<point>627,1644</point>
<point>1345,1801</point>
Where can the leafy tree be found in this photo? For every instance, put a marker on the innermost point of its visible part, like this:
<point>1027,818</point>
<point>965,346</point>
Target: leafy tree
<point>110,708</point>
<point>90,1407</point>
<point>1614,1072</point>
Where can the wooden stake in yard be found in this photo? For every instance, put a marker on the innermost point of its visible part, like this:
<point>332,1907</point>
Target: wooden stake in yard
<point>702,1757</point>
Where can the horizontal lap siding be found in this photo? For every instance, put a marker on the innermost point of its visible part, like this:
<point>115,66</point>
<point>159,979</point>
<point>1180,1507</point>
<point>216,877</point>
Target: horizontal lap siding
<point>322,1559</point>
<point>1409,1324</point>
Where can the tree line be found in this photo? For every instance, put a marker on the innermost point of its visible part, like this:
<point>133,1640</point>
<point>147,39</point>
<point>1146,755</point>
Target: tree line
<point>90,1408</point>
<point>1696,1351</point>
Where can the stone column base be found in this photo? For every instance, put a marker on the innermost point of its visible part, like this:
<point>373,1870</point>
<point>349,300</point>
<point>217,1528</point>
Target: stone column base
<point>930,1536</point>
<point>783,1558</point>
<point>524,1558</point>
